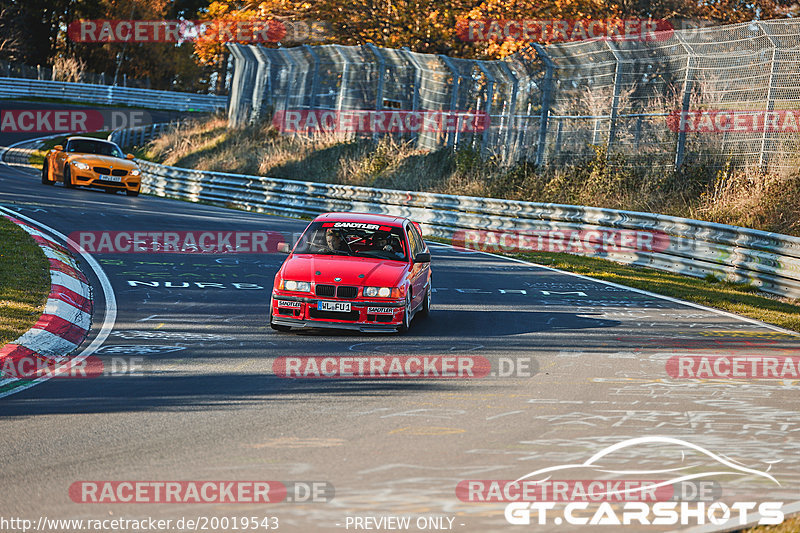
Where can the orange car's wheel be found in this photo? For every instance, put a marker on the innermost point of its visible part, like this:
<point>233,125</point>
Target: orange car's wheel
<point>68,179</point>
<point>46,174</point>
<point>132,193</point>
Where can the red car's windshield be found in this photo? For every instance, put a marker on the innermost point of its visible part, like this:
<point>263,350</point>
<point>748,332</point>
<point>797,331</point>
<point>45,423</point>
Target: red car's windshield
<point>354,239</point>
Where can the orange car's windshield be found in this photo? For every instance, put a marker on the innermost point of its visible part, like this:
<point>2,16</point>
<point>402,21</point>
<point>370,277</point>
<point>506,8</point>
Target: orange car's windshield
<point>87,146</point>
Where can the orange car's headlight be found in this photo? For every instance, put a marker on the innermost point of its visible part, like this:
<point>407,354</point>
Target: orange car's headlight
<point>80,165</point>
<point>135,172</point>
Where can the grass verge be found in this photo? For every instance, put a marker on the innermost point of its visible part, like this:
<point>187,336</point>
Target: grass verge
<point>738,298</point>
<point>24,281</point>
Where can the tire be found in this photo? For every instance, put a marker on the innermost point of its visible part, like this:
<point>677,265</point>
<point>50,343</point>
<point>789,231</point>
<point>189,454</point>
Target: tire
<point>46,174</point>
<point>132,193</point>
<point>406,324</point>
<point>425,310</point>
<point>68,179</point>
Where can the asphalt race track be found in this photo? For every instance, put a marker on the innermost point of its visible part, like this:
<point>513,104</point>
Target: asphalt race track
<point>207,405</point>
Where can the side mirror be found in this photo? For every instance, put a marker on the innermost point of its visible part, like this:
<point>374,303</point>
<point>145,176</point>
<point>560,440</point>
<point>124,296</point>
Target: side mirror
<point>423,257</point>
<point>283,247</point>
<point>129,156</point>
<point>58,148</point>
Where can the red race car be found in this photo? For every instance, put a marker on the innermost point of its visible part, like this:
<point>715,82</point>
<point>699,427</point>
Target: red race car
<point>354,271</point>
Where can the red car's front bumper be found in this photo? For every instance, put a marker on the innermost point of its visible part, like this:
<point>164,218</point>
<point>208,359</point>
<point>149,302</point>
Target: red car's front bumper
<point>288,309</point>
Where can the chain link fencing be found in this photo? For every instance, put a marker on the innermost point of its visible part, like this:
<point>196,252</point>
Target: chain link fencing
<point>653,105</point>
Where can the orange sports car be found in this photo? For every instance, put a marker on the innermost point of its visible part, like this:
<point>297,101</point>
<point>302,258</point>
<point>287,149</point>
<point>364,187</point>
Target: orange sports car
<point>91,162</point>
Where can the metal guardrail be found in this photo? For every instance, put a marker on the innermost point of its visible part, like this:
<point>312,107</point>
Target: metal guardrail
<point>770,261</point>
<point>126,137</point>
<point>110,95</point>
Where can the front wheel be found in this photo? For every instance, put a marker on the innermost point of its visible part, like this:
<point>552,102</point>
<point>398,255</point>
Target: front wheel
<point>406,325</point>
<point>132,193</point>
<point>46,174</point>
<point>68,179</point>
<point>426,303</point>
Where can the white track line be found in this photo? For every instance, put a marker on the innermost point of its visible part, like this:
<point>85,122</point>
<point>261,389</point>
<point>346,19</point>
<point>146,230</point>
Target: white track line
<point>640,291</point>
<point>110,299</point>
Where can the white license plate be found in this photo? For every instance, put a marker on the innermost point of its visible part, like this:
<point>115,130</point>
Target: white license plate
<point>380,310</point>
<point>339,307</point>
<point>112,178</point>
<point>285,303</point>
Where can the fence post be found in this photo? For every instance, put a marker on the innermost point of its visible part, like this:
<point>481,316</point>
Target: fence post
<point>381,73</point>
<point>547,89</point>
<point>312,102</point>
<point>615,100</point>
<point>511,121</point>
<point>452,137</point>
<point>261,93</point>
<point>489,98</point>
<point>343,84</point>
<point>763,160</point>
<point>687,80</point>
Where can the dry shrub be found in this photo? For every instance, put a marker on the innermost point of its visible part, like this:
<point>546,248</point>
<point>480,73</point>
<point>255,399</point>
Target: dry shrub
<point>754,199</point>
<point>70,69</point>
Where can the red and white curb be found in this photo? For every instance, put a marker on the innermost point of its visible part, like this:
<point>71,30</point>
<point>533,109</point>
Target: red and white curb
<point>67,317</point>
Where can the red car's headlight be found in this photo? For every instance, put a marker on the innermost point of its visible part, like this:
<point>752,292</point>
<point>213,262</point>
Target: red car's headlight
<point>381,292</point>
<point>295,286</point>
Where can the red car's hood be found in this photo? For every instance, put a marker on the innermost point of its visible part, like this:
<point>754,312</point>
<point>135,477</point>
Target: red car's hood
<point>376,272</point>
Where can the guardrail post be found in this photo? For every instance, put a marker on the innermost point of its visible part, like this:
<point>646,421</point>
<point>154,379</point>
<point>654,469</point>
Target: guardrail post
<point>612,127</point>
<point>547,88</point>
<point>687,93</point>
